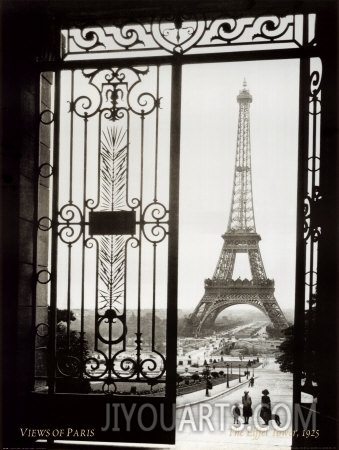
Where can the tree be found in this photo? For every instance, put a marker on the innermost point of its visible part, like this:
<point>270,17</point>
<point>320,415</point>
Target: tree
<point>286,358</point>
<point>309,357</point>
<point>146,328</point>
<point>71,352</point>
<point>62,315</point>
<point>76,348</point>
<point>274,333</point>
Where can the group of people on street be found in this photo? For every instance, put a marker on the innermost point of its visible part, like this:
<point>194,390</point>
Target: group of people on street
<point>265,410</point>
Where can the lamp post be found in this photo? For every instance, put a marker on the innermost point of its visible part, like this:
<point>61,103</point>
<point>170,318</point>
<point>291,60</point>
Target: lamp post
<point>207,372</point>
<point>227,381</point>
<point>231,369</point>
<point>239,374</point>
<point>247,371</point>
<point>253,373</point>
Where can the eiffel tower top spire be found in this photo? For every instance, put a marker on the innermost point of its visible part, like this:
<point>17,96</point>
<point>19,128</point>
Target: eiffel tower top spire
<point>241,218</point>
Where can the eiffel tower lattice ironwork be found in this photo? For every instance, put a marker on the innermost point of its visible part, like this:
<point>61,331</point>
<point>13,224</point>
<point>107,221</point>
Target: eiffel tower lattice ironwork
<point>241,237</point>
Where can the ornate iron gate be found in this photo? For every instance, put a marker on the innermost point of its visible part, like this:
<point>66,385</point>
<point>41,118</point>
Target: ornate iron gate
<point>111,228</point>
<point>107,226</point>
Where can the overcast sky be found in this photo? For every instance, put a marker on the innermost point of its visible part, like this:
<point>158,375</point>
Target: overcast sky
<point>208,145</point>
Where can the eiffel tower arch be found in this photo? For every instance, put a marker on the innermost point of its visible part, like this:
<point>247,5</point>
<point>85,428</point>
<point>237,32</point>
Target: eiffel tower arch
<point>222,291</point>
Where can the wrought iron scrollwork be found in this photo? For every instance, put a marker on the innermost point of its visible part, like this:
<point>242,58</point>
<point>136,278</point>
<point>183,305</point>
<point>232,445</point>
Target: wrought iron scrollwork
<point>154,225</point>
<point>116,327</point>
<point>243,31</point>
<point>178,34</point>
<point>153,368</point>
<point>47,117</point>
<point>68,365</point>
<point>71,223</point>
<point>42,329</point>
<point>311,278</point>
<point>126,37</point>
<point>115,94</point>
<point>229,30</point>
<point>92,364</point>
<point>91,39</point>
<point>109,387</point>
<point>45,223</point>
<point>45,170</point>
<point>312,215</point>
<point>315,83</point>
<point>181,34</point>
<point>43,276</point>
<point>312,203</point>
<point>123,366</point>
<point>274,28</point>
<point>315,91</point>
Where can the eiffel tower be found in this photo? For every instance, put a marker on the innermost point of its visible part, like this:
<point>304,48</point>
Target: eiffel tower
<point>241,237</point>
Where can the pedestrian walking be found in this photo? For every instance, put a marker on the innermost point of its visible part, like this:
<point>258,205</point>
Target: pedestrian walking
<point>236,413</point>
<point>265,411</point>
<point>247,406</point>
<point>251,382</point>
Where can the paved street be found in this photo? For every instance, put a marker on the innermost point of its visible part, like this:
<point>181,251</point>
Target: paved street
<point>214,432</point>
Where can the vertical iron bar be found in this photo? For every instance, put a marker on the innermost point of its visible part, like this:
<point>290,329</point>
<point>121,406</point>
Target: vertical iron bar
<point>156,140</point>
<point>70,201</point>
<point>155,199</point>
<point>311,193</point>
<point>82,310</point>
<point>35,216</point>
<point>71,140</point>
<point>96,340</point>
<point>54,246</point>
<point>126,242</point>
<point>142,124</point>
<point>154,290</point>
<point>128,155</point>
<point>299,315</point>
<point>110,286</point>
<point>69,265</point>
<point>110,353</point>
<point>112,237</point>
<point>172,285</point>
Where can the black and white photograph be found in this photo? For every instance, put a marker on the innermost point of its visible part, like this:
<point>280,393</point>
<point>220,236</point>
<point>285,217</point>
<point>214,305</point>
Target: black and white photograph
<point>169,224</point>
